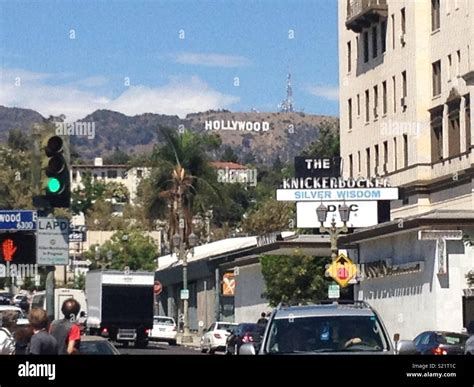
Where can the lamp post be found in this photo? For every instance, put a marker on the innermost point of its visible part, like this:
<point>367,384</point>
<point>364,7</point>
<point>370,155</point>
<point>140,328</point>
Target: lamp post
<point>180,244</point>
<point>333,231</point>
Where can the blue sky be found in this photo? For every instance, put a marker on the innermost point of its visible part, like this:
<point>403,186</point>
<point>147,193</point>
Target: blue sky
<point>74,57</point>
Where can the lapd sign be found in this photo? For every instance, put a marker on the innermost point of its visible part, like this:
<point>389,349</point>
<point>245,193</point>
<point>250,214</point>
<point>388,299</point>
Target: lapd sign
<point>363,214</point>
<point>52,244</point>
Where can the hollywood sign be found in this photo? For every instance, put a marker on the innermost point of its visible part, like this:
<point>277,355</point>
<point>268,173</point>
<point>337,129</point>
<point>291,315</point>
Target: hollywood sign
<point>248,126</point>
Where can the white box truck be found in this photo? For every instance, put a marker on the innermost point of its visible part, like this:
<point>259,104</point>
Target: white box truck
<point>60,295</point>
<point>120,305</point>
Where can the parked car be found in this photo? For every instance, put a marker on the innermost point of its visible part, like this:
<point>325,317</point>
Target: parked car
<point>215,338</point>
<point>328,327</point>
<point>164,329</point>
<point>96,345</point>
<point>21,300</point>
<point>441,343</point>
<point>22,320</point>
<point>6,298</point>
<point>244,333</point>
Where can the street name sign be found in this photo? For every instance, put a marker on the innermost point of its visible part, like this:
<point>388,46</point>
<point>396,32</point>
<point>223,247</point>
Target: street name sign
<point>18,220</point>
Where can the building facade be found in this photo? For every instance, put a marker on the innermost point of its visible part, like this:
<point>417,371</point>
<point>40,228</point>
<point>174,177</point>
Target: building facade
<point>406,96</point>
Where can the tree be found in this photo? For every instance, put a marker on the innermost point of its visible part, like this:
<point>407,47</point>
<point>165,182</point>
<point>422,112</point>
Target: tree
<point>294,279</point>
<point>19,141</point>
<point>229,155</point>
<point>270,216</point>
<point>327,144</point>
<point>127,248</point>
<point>118,157</point>
<point>83,198</point>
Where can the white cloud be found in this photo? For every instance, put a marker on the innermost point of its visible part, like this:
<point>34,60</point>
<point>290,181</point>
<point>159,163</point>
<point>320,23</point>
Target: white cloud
<point>211,59</point>
<point>330,93</point>
<point>179,97</point>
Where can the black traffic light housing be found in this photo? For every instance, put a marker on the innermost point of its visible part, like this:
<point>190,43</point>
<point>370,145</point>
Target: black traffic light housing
<point>58,182</point>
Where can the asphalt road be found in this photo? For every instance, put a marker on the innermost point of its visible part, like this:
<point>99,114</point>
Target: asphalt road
<point>158,349</point>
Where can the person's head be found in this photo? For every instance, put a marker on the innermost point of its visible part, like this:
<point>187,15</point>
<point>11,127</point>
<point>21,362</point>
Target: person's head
<point>8,319</point>
<point>38,319</point>
<point>263,315</point>
<point>70,308</point>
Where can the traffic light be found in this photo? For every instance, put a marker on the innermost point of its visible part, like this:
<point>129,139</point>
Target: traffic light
<point>58,181</point>
<point>18,247</point>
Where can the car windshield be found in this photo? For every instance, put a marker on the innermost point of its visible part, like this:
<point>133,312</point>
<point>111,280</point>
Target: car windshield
<point>96,348</point>
<point>225,327</point>
<point>326,334</point>
<point>163,321</point>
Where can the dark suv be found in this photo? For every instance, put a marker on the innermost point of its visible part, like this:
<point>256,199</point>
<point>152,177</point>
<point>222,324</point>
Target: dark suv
<point>332,327</point>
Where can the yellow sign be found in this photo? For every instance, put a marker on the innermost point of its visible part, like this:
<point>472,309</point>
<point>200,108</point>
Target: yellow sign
<point>342,270</point>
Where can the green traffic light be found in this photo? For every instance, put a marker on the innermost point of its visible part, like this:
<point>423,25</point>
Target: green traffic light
<point>54,185</point>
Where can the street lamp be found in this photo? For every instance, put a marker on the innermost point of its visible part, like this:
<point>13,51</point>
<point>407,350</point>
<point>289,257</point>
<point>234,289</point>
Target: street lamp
<point>333,231</point>
<point>178,243</point>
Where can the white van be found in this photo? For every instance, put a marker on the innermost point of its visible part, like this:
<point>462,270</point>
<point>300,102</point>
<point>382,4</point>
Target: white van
<point>60,295</point>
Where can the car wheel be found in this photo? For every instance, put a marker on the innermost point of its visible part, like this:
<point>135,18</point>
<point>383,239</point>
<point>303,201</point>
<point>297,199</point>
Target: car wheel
<point>227,352</point>
<point>173,342</point>
<point>212,351</point>
<point>203,350</point>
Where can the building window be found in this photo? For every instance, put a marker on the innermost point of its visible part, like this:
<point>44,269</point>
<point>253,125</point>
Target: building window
<point>458,65</point>
<point>405,150</point>
<point>450,67</point>
<point>374,42</point>
<point>403,23</point>
<point>351,166</point>
<point>436,123</point>
<point>394,84</point>
<point>404,91</point>
<point>366,46</point>
<point>436,78</point>
<point>454,132</point>
<point>384,97</point>
<point>359,162</point>
<point>467,120</point>
<point>358,105</point>
<point>367,155</point>
<point>393,32</point>
<point>385,156</point>
<point>112,174</point>
<point>102,175</point>
<point>395,154</point>
<point>435,15</point>
<point>349,112</point>
<point>383,35</point>
<point>349,57</point>
<point>377,170</point>
<point>376,102</point>
<point>367,106</point>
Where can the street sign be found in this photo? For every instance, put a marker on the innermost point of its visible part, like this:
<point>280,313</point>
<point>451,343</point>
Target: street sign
<point>18,220</point>
<point>184,294</point>
<point>52,241</point>
<point>334,291</point>
<point>342,270</point>
<point>336,194</point>
<point>363,214</point>
<point>228,284</point>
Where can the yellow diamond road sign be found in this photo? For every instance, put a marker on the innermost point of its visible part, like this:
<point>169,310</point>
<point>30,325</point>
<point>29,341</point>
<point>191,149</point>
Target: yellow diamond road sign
<point>342,270</point>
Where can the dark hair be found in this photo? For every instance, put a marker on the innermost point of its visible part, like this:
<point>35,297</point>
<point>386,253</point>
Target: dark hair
<point>263,314</point>
<point>70,308</point>
<point>8,319</point>
<point>38,318</point>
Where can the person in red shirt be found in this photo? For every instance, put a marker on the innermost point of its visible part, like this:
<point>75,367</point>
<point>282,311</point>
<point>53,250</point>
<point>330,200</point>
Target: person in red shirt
<point>66,331</point>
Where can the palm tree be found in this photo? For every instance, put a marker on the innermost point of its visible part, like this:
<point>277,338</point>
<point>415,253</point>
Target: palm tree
<point>182,182</point>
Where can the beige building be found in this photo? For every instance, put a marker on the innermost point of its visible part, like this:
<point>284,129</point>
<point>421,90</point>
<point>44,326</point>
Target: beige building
<point>406,96</point>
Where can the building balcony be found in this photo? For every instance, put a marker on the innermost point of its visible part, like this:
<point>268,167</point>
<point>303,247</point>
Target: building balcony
<point>361,13</point>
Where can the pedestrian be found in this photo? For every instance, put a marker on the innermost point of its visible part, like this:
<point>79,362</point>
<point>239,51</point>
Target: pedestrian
<point>263,319</point>
<point>41,343</point>
<point>66,331</point>
<point>8,320</point>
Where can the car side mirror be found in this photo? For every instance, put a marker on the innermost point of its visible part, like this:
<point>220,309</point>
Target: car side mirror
<point>406,347</point>
<point>247,349</point>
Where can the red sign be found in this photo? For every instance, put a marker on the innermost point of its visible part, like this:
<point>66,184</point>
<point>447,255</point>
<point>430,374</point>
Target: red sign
<point>8,249</point>
<point>157,288</point>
